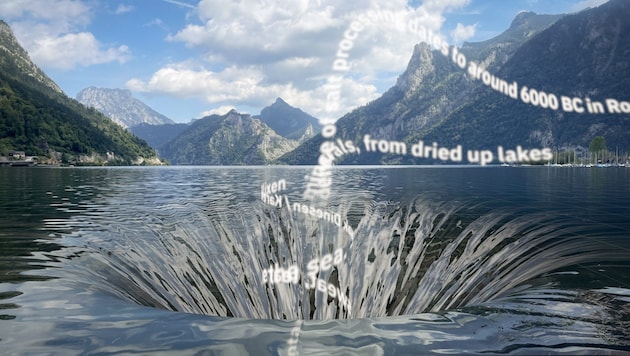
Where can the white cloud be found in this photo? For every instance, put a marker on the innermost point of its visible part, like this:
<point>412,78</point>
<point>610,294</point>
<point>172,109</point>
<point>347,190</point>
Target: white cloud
<point>262,49</point>
<point>75,49</point>
<point>157,22</point>
<point>52,31</point>
<point>461,33</point>
<point>440,6</point>
<point>121,9</point>
<point>245,86</point>
<point>236,84</point>
<point>62,14</point>
<point>221,110</point>
<point>586,4</point>
<point>180,3</point>
<point>265,30</point>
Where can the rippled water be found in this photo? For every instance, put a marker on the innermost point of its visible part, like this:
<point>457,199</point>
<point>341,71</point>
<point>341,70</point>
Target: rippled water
<point>447,260</point>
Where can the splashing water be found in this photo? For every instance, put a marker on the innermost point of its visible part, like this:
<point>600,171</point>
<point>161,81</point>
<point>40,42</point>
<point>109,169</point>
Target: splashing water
<point>447,271</point>
<point>403,259</point>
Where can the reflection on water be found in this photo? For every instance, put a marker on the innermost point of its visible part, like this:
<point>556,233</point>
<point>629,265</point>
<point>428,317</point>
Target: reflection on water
<point>442,260</point>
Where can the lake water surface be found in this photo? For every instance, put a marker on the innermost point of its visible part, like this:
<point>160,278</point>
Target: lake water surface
<point>400,260</point>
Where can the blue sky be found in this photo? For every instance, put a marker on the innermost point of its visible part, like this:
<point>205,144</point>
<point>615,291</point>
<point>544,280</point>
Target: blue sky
<point>188,58</point>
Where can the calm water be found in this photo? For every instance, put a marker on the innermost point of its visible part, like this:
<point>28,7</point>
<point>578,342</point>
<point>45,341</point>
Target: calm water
<point>524,260</point>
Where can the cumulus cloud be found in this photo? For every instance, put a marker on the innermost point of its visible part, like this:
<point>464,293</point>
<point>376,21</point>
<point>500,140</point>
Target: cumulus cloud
<point>238,84</point>
<point>51,31</point>
<point>461,33</point>
<point>263,30</point>
<point>221,110</point>
<point>245,86</point>
<point>75,49</point>
<point>262,49</point>
<point>61,14</point>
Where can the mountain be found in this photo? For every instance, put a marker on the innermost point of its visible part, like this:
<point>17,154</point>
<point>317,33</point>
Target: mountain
<point>16,61</point>
<point>230,139</point>
<point>120,106</point>
<point>425,96</point>
<point>37,118</point>
<point>288,121</point>
<point>583,56</point>
<point>158,135</point>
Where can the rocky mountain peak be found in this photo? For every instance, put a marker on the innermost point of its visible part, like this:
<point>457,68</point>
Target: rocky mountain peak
<point>232,138</point>
<point>435,101</point>
<point>279,104</point>
<point>280,101</point>
<point>492,53</point>
<point>233,112</point>
<point>41,120</point>
<point>420,65</point>
<point>121,106</point>
<point>286,120</point>
<point>522,18</point>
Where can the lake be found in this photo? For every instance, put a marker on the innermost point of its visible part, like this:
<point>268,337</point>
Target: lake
<point>235,260</point>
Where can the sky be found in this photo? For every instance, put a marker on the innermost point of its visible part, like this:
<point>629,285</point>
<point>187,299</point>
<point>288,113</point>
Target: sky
<point>189,58</point>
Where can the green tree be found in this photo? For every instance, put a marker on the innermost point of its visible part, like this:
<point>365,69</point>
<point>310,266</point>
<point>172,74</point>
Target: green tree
<point>597,146</point>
